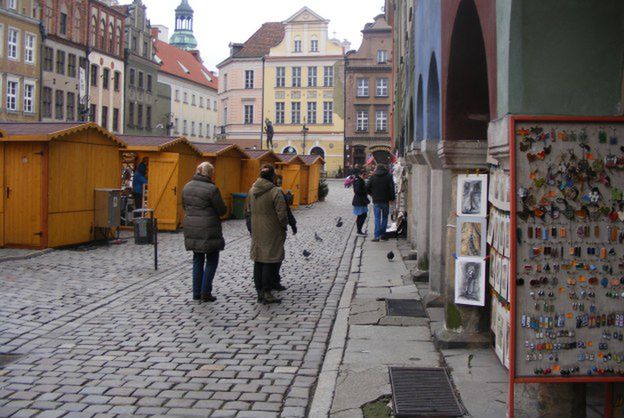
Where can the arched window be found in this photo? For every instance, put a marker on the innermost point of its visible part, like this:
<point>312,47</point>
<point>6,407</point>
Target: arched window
<point>93,31</point>
<point>118,41</point>
<point>289,150</point>
<point>111,39</point>
<point>102,34</point>
<point>317,151</point>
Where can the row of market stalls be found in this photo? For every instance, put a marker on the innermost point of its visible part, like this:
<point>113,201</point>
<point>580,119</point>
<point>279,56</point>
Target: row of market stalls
<point>49,173</point>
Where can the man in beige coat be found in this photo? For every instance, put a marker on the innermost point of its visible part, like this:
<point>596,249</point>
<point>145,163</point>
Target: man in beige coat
<point>269,219</point>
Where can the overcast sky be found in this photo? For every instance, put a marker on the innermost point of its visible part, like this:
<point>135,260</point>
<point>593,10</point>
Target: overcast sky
<point>216,24</point>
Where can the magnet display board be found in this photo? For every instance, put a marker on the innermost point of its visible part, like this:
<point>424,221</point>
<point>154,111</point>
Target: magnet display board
<point>567,249</point>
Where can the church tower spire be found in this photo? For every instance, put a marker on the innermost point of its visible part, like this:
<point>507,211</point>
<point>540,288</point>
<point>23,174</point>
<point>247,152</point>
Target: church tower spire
<point>183,37</point>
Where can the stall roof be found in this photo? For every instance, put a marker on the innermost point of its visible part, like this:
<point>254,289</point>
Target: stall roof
<point>49,131</point>
<point>289,158</point>
<point>261,153</point>
<point>311,159</point>
<point>156,143</point>
<point>213,150</point>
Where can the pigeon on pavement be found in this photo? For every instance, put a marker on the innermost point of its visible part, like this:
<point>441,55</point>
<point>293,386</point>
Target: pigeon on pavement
<point>306,253</point>
<point>339,223</point>
<point>390,256</point>
<point>318,237</point>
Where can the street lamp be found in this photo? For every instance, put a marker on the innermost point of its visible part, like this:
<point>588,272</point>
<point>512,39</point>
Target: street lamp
<point>304,131</point>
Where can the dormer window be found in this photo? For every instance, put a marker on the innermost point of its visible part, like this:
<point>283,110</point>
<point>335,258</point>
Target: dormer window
<point>298,45</point>
<point>186,70</point>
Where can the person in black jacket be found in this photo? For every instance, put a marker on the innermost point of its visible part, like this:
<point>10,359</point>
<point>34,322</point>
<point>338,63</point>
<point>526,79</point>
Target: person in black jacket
<point>203,209</point>
<point>360,199</point>
<point>381,188</point>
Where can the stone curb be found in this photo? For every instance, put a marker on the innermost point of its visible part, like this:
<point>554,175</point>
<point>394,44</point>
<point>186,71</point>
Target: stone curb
<point>26,256</point>
<point>326,382</point>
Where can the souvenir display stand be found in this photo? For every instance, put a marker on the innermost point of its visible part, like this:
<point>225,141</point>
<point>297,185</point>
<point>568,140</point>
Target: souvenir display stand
<point>567,251</point>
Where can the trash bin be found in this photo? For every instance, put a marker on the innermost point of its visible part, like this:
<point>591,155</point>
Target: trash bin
<point>238,205</point>
<point>143,228</point>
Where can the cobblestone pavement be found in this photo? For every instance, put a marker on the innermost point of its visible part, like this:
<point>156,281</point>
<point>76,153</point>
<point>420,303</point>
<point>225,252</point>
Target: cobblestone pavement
<point>98,332</point>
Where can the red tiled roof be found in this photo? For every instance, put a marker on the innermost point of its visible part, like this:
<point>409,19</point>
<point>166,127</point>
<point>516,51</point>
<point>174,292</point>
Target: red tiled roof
<point>288,158</point>
<point>25,128</point>
<point>172,57</point>
<point>216,149</point>
<point>260,153</point>
<point>159,142</point>
<point>269,35</point>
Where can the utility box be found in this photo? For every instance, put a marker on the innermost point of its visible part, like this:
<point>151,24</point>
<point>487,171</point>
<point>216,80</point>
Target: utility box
<point>107,208</point>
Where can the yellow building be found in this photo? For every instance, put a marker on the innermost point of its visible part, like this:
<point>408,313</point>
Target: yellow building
<point>304,88</point>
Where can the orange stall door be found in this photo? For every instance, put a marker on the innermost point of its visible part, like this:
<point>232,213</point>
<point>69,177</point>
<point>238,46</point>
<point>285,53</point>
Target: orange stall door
<point>162,189</point>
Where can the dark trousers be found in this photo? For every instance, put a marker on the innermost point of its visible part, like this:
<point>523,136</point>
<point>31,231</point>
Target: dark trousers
<point>138,200</point>
<point>265,275</point>
<point>359,221</point>
<point>204,274</point>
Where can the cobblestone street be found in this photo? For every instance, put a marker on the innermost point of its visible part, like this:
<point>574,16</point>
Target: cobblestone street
<point>96,331</point>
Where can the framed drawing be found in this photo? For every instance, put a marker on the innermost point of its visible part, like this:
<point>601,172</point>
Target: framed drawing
<point>471,239</point>
<point>470,281</point>
<point>472,195</point>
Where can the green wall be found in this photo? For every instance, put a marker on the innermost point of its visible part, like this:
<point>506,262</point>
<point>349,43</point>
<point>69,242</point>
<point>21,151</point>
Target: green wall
<point>560,57</point>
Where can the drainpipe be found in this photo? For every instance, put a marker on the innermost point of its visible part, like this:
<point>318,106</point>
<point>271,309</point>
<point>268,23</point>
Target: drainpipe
<point>262,107</point>
<point>41,48</point>
<point>344,119</point>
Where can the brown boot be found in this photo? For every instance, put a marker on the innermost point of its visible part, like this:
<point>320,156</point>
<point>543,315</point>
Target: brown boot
<point>269,298</point>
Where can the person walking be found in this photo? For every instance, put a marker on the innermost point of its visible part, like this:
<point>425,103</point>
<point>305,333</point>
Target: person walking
<point>381,188</point>
<point>269,219</point>
<point>138,181</point>
<point>203,209</point>
<point>360,200</point>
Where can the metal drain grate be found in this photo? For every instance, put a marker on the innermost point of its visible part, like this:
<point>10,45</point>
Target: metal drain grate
<point>423,392</point>
<point>5,359</point>
<point>405,307</point>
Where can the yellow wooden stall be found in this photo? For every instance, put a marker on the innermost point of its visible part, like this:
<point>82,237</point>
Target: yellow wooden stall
<point>290,169</point>
<point>227,160</point>
<point>3,188</point>
<point>252,165</point>
<point>50,172</point>
<point>171,163</point>
<point>310,177</point>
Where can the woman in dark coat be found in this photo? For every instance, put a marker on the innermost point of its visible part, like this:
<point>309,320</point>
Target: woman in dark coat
<point>203,209</point>
<point>360,200</point>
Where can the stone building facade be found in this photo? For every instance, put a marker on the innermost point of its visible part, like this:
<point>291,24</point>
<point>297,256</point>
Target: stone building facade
<point>241,87</point>
<point>141,73</point>
<point>106,78</point>
<point>20,61</point>
<point>64,60</point>
<point>368,91</point>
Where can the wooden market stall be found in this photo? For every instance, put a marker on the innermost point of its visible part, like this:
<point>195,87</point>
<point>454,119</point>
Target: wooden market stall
<point>252,165</point>
<point>310,178</point>
<point>171,163</point>
<point>290,169</point>
<point>49,172</point>
<point>227,160</point>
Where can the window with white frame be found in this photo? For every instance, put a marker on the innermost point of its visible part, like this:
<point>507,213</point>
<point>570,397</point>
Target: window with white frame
<point>382,87</point>
<point>295,113</point>
<point>1,39</point>
<point>314,45</point>
<point>11,95</point>
<point>248,116</point>
<point>13,44</point>
<point>249,79</point>
<point>362,87</point>
<point>280,77</point>
<point>382,56</point>
<point>29,97</point>
<point>311,76</point>
<point>312,112</point>
<point>297,45</point>
<point>200,129</point>
<point>192,128</point>
<point>13,4</point>
<point>29,48</point>
<point>328,76</point>
<point>208,130</point>
<point>381,120</point>
<point>296,76</point>
<point>279,112</point>
<point>214,107</point>
<point>184,127</point>
<point>362,121</point>
<point>225,115</point>
<point>201,101</point>
<point>328,113</point>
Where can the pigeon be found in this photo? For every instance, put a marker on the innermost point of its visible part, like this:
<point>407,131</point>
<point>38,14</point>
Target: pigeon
<point>390,256</point>
<point>339,223</point>
<point>318,237</point>
<point>306,253</point>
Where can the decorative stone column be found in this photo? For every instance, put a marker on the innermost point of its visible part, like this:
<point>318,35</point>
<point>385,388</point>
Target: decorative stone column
<point>418,204</point>
<point>439,209</point>
<point>465,326</point>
